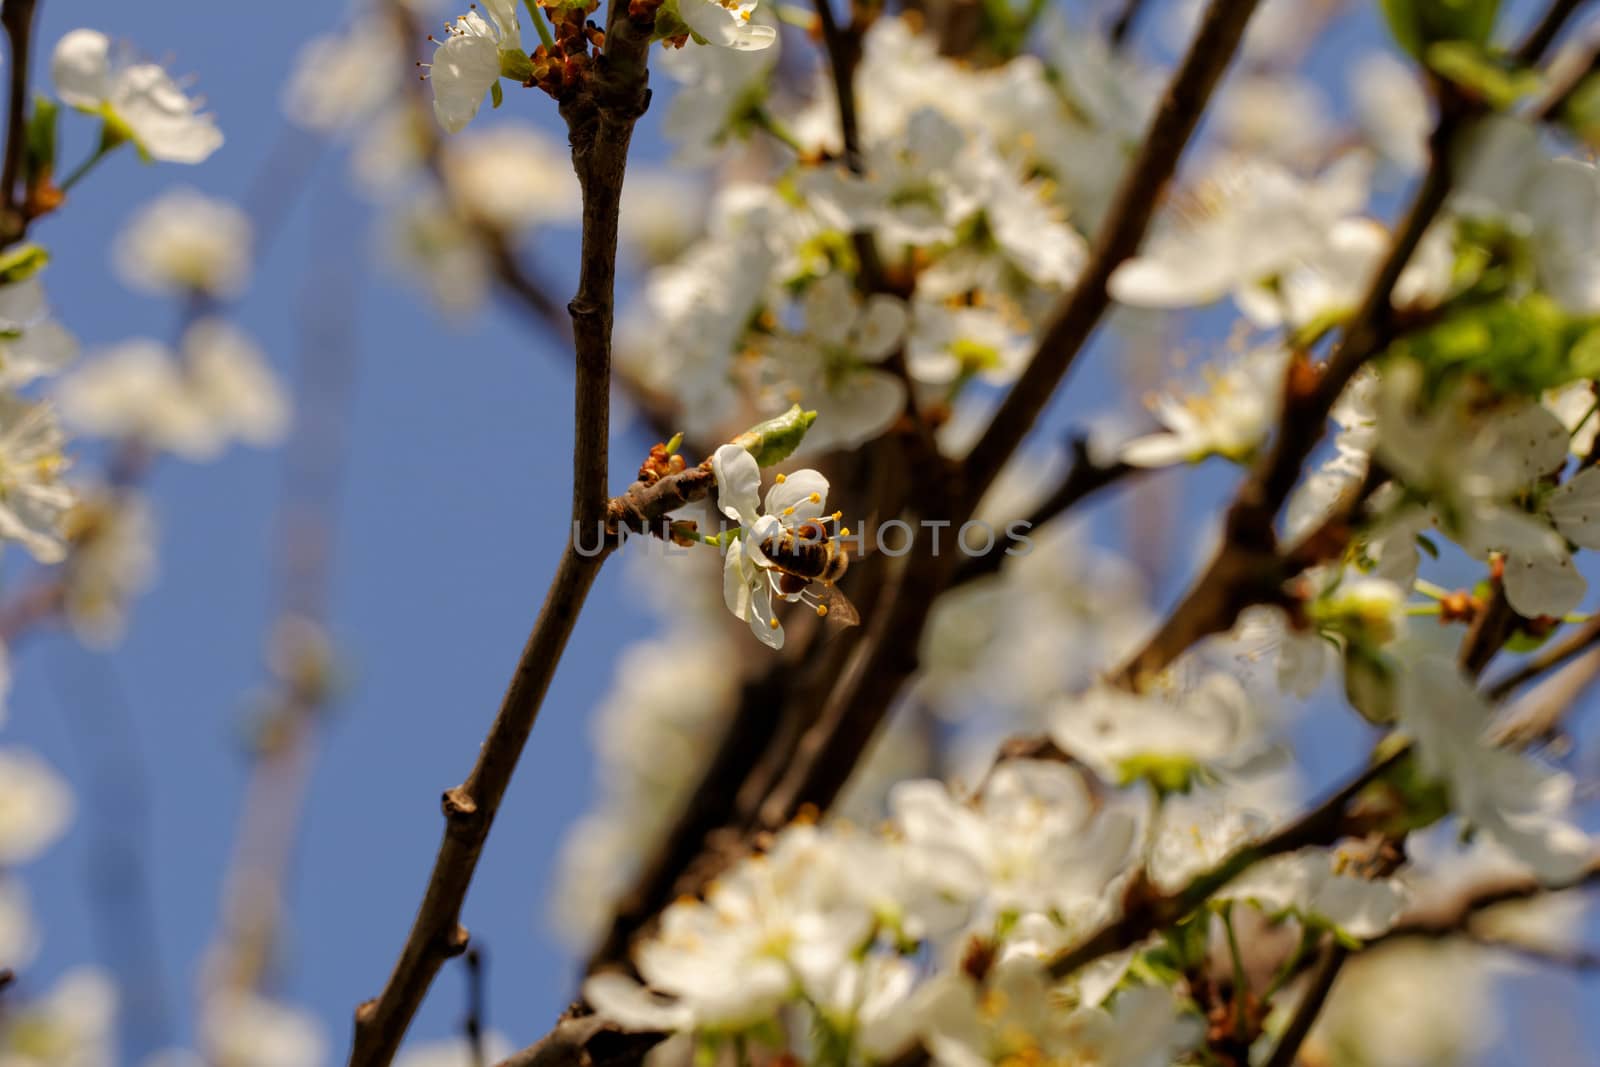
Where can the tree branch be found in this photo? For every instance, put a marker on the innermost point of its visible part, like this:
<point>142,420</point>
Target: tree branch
<point>1543,34</point>
<point>1247,568</point>
<point>1580,640</point>
<point>16,16</point>
<point>1145,914</point>
<point>585,1041</point>
<point>469,810</point>
<point>1131,211</point>
<point>1123,25</point>
<point>1083,479</point>
<point>472,1024</point>
<point>600,115</point>
<point>1310,1006</point>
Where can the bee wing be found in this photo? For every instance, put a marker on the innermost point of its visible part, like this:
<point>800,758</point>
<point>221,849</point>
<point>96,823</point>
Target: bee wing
<point>840,611</point>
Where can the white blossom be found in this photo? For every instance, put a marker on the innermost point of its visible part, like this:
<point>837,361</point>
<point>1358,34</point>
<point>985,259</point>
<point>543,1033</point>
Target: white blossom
<point>1505,795</point>
<point>32,344</point>
<point>19,936</point>
<point>73,1025</point>
<point>138,101</point>
<point>1230,417</point>
<point>249,1030</point>
<point>35,806</point>
<point>1017,1018</point>
<point>113,559</point>
<point>1393,110</point>
<point>727,23</point>
<point>1031,841</point>
<point>194,403</point>
<point>186,242</point>
<point>833,362</point>
<point>1172,735</point>
<point>33,501</point>
<point>343,78</point>
<point>769,927</point>
<point>466,63</point>
<point>512,176</point>
<point>1247,223</point>
<point>749,579</point>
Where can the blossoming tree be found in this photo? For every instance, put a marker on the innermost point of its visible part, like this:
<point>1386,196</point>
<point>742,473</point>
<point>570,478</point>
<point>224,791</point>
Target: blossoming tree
<point>918,770</point>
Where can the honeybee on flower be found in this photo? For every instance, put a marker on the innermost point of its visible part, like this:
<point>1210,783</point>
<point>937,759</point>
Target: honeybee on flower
<point>785,547</point>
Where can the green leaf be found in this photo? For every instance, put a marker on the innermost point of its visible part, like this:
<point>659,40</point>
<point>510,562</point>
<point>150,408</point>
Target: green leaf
<point>1483,74</point>
<point>1582,109</point>
<point>776,439</point>
<point>1416,24</point>
<point>514,65</point>
<point>41,157</point>
<point>1166,774</point>
<point>1422,801</point>
<point>669,23</point>
<point>22,263</point>
<point>1522,346</point>
<point>1369,684</point>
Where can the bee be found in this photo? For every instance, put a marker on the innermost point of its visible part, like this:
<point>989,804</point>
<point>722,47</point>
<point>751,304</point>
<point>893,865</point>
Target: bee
<point>807,555</point>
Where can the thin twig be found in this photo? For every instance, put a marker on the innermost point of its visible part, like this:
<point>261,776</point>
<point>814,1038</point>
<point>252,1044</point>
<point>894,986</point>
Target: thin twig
<point>1492,628</point>
<point>272,813</point>
<point>1247,569</point>
<point>600,116</point>
<point>1536,719</point>
<point>843,44</point>
<point>1548,658</point>
<point>1123,25</point>
<point>1131,211</point>
<point>887,654</point>
<point>469,809</point>
<point>1323,825</point>
<point>586,1041</point>
<point>472,1024</point>
<point>17,19</point>
<point>1546,30</point>
<point>1310,1006</point>
<point>1456,915</point>
<point>1083,479</point>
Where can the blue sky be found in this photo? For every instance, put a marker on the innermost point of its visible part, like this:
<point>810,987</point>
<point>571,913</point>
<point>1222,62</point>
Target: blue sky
<point>453,517</point>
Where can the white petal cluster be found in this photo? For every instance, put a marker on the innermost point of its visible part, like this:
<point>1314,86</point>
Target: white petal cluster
<point>830,917</point>
<point>218,389</point>
<point>73,1023</point>
<point>512,177</point>
<point>186,242</point>
<point>466,63</point>
<point>750,582</point>
<point>137,101</point>
<point>1510,798</point>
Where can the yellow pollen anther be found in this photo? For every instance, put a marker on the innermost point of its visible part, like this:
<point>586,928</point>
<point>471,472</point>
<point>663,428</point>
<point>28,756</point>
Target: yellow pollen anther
<point>815,498</point>
<point>773,623</point>
<point>782,478</point>
<point>788,511</point>
<point>822,611</point>
<point>844,531</point>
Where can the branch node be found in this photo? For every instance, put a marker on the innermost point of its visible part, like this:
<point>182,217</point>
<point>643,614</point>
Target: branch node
<point>458,806</point>
<point>455,942</point>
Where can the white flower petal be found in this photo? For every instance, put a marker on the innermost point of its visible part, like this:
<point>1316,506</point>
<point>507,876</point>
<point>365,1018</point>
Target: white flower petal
<point>796,492</point>
<point>1575,509</point>
<point>738,483</point>
<point>81,69</point>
